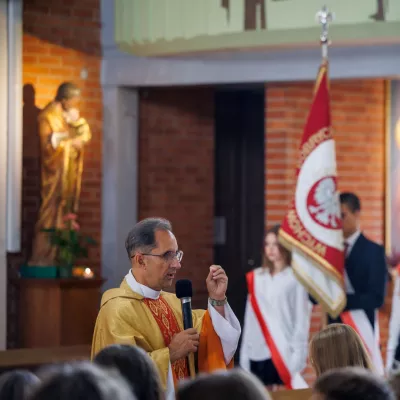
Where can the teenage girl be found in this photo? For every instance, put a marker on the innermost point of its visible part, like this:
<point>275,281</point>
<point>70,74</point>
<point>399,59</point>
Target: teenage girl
<point>277,319</point>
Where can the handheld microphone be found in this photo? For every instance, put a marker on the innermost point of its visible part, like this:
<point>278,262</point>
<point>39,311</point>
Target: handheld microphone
<point>183,289</point>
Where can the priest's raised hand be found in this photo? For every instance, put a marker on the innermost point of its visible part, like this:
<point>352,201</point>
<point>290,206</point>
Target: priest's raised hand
<point>217,283</point>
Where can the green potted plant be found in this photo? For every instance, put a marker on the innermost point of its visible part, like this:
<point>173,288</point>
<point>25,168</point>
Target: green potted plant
<point>70,244</point>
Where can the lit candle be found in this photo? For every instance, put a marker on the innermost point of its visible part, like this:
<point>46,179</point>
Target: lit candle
<point>88,273</point>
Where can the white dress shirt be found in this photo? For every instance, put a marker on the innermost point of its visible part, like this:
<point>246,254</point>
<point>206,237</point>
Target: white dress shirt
<point>350,241</point>
<point>286,298</point>
<point>228,328</point>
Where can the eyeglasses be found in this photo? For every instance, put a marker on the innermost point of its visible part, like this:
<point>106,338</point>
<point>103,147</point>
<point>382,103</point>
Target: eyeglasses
<point>169,256</point>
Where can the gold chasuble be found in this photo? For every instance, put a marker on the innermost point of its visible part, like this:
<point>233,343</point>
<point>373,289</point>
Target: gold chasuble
<point>126,317</point>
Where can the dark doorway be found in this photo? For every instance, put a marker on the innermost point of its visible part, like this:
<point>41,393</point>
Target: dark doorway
<point>239,186</point>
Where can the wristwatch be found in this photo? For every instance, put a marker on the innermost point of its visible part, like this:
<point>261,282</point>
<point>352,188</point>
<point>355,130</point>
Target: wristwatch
<point>218,302</point>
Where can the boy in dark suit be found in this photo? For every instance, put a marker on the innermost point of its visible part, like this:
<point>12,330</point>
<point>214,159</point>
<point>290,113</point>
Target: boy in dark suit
<point>366,275</point>
<point>365,263</point>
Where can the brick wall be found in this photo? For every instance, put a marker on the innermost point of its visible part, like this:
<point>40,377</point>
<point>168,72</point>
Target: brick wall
<point>358,118</point>
<point>60,38</point>
<point>176,171</point>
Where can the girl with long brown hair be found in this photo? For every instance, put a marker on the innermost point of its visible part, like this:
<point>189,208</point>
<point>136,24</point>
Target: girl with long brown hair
<point>277,319</point>
<point>338,346</point>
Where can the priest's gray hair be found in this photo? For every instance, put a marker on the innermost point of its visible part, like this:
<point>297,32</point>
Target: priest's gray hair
<point>142,236</point>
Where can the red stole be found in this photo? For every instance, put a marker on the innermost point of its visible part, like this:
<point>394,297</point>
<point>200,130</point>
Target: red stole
<point>169,327</point>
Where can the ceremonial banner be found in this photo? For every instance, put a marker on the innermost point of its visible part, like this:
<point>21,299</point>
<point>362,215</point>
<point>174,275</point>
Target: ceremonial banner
<point>312,228</point>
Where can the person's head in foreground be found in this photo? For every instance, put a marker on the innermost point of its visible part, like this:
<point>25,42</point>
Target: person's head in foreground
<point>394,381</point>
<point>82,381</point>
<point>136,367</point>
<point>351,383</point>
<point>17,385</point>
<point>233,385</point>
<point>337,346</point>
<point>154,254</point>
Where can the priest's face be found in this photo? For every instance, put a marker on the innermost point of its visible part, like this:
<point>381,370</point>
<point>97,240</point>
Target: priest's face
<point>162,264</point>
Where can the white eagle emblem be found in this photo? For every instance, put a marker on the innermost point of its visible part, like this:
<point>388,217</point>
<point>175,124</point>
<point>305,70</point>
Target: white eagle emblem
<point>326,209</point>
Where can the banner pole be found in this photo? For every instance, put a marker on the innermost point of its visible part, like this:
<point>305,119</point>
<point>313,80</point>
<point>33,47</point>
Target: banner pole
<point>324,17</point>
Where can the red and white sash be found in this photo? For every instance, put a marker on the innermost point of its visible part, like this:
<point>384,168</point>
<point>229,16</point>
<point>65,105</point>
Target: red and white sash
<point>394,325</point>
<point>359,321</point>
<point>276,342</point>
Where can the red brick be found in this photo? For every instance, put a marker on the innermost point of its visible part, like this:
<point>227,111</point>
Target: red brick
<point>176,176</point>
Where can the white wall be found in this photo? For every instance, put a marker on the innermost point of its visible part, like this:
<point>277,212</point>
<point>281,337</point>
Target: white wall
<point>10,143</point>
<point>383,61</point>
<point>14,128</point>
<point>3,172</point>
<point>120,176</point>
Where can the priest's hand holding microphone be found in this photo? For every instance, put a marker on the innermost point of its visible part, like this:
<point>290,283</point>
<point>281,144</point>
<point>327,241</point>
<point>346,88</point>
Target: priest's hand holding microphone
<point>187,341</point>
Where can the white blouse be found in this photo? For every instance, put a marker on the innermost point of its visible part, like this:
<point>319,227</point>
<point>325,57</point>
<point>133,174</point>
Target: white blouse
<point>289,303</point>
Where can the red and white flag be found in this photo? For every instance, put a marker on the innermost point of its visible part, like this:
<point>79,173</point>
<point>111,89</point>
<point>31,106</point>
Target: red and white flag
<point>312,228</point>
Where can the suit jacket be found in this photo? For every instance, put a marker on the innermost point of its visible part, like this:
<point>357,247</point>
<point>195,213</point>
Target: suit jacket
<point>367,271</point>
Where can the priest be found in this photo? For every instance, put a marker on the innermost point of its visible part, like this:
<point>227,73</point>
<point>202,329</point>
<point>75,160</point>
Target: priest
<point>141,313</point>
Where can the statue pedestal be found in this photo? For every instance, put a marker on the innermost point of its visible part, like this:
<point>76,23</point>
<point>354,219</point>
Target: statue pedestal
<point>57,312</point>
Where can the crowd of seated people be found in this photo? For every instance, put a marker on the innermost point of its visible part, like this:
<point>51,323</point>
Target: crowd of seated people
<point>123,372</point>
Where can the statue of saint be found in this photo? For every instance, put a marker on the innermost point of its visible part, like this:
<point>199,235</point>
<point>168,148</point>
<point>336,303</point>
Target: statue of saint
<point>63,135</point>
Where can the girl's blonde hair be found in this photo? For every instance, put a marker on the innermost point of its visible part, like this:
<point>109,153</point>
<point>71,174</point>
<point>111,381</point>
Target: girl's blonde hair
<point>286,254</point>
<point>338,346</point>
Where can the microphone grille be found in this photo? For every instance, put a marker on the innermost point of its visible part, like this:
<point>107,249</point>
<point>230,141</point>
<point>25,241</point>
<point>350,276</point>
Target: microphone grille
<point>183,288</point>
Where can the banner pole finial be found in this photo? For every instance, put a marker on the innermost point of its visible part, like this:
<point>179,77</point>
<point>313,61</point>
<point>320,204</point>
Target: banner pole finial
<point>324,17</point>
